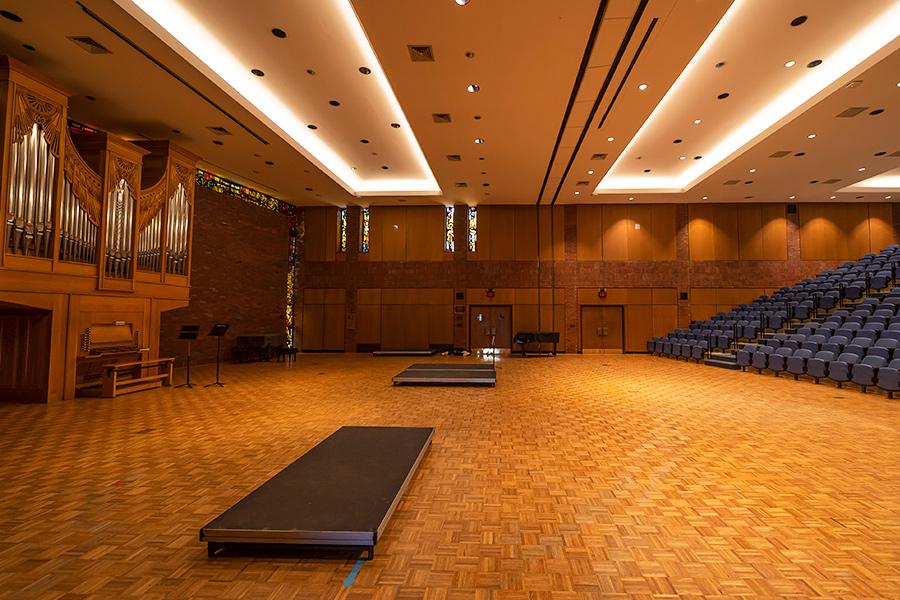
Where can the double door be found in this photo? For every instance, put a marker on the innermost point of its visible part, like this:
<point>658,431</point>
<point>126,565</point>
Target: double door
<point>490,327</point>
<point>602,329</point>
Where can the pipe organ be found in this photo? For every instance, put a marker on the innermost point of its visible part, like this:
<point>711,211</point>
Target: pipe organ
<point>96,229</point>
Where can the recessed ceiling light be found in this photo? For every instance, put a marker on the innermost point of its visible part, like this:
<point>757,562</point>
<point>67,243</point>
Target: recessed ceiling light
<point>279,33</point>
<point>310,72</point>
<point>753,170</point>
<point>696,121</point>
<point>311,126</point>
<point>678,141</point>
<point>833,197</point>
<point>798,21</point>
<point>790,63</point>
<point>610,139</point>
<point>590,172</point>
<point>11,16</point>
<point>723,95</point>
<point>861,169</point>
<point>719,65</point>
<point>29,47</point>
<point>384,167</point>
<point>217,143</point>
<point>887,197</point>
<point>395,125</point>
<point>813,63</point>
<point>462,2</point>
<point>646,170</point>
<point>470,54</point>
<point>364,141</point>
<point>577,193</point>
<point>642,87</point>
<point>898,84</point>
<point>705,197</point>
<point>811,136</point>
<point>697,157</point>
<point>473,87</point>
<point>631,197</point>
<point>334,103</point>
<point>791,197</point>
<point>479,140</point>
<point>682,157</point>
<point>877,111</point>
<point>91,98</point>
<point>270,163</point>
<point>365,70</point>
<point>257,72</point>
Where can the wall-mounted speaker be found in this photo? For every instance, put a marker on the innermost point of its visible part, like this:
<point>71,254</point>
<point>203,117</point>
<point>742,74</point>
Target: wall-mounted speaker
<point>683,296</point>
<point>792,209</point>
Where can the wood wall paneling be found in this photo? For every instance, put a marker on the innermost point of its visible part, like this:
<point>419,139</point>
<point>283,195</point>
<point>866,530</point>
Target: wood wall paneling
<point>844,231</point>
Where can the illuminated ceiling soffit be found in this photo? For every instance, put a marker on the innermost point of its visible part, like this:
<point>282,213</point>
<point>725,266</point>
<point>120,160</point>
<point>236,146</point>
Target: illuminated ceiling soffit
<point>219,46</point>
<point>889,181</point>
<point>849,46</point>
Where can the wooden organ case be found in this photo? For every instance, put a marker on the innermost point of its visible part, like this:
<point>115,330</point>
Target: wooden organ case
<point>97,236</point>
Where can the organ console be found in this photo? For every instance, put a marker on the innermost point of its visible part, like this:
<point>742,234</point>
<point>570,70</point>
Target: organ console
<point>96,242</point>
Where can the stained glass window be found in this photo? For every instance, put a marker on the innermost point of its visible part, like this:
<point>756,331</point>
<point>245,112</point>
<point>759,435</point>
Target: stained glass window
<point>473,228</point>
<point>449,242</point>
<point>364,231</point>
<point>342,223</point>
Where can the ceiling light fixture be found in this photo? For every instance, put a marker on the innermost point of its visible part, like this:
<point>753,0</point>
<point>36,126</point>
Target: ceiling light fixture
<point>833,197</point>
<point>577,193</point>
<point>852,52</point>
<point>462,2</point>
<point>811,136</point>
<point>642,87</point>
<point>610,139</point>
<point>790,63</point>
<point>753,170</point>
<point>682,157</point>
<point>473,87</point>
<point>706,197</point>
<point>791,197</point>
<point>184,29</point>
<point>861,169</point>
<point>696,121</point>
<point>590,172</point>
<point>479,140</point>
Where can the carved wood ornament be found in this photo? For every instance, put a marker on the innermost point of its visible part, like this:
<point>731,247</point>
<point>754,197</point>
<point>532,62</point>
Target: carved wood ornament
<point>30,108</point>
<point>84,181</point>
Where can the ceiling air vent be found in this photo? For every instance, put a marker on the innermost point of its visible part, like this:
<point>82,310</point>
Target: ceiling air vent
<point>830,181</point>
<point>454,157</point>
<point>853,111</point>
<point>461,184</point>
<point>219,130</point>
<point>598,156</point>
<point>732,181</point>
<point>441,117</point>
<point>780,154</point>
<point>420,53</point>
<point>89,44</point>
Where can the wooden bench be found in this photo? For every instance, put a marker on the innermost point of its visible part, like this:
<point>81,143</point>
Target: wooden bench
<point>125,378</point>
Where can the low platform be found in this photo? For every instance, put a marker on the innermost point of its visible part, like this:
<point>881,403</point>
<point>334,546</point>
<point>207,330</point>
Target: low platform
<point>480,374</point>
<point>404,353</point>
<point>340,494</point>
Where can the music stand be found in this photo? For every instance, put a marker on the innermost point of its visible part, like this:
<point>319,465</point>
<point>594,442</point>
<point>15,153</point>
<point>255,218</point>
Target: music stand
<point>217,331</point>
<point>188,333</point>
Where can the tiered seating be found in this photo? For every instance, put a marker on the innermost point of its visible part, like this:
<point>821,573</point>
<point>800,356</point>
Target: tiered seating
<point>855,340</point>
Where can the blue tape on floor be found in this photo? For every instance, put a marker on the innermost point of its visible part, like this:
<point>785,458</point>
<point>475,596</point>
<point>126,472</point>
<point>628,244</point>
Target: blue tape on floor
<point>353,573</point>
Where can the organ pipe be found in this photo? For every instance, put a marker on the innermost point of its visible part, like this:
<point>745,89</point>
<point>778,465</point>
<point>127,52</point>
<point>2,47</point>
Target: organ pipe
<point>32,173</point>
<point>178,231</point>
<point>119,225</point>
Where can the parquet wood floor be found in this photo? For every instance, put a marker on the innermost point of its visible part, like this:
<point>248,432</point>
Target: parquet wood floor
<point>576,477</point>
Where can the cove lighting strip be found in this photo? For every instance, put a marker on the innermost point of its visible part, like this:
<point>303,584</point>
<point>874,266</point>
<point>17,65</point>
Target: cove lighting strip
<point>867,42</point>
<point>175,24</point>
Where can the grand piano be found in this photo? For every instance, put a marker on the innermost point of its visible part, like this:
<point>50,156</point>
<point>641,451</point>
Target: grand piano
<point>259,347</point>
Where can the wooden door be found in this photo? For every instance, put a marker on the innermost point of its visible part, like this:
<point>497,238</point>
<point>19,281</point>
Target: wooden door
<point>490,327</point>
<point>602,329</point>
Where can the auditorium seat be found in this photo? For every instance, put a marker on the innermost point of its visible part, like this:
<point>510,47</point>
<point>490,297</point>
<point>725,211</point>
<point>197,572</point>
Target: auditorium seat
<point>778,359</point>
<point>760,360</point>
<point>817,366</point>
<point>839,369</point>
<point>745,356</point>
<point>796,362</point>
<point>888,377</point>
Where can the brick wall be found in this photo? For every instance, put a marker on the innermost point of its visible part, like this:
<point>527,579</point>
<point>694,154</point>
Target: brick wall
<point>571,274</point>
<point>238,271</point>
